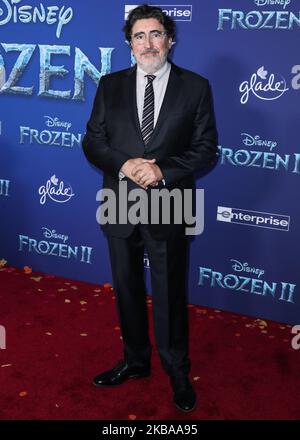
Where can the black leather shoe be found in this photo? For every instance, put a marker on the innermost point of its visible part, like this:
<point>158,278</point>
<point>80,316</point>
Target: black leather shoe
<point>119,374</point>
<point>185,398</point>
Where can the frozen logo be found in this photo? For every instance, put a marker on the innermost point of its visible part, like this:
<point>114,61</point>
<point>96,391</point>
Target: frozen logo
<point>58,15</point>
<point>283,3</point>
<point>53,136</point>
<point>263,85</point>
<point>10,76</point>
<point>56,191</point>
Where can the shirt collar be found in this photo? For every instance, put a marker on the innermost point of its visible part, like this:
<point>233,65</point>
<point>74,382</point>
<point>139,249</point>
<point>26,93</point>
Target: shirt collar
<point>158,74</point>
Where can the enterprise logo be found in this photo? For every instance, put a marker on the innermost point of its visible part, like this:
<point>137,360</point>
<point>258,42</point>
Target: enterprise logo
<point>177,12</point>
<point>253,218</point>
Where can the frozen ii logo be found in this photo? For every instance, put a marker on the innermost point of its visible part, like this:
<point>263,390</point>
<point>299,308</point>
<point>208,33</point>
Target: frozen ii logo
<point>12,12</point>
<point>247,279</point>
<point>56,245</point>
<point>250,155</point>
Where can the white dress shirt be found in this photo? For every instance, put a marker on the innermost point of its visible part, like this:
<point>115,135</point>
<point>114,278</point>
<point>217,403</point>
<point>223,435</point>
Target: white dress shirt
<point>159,87</point>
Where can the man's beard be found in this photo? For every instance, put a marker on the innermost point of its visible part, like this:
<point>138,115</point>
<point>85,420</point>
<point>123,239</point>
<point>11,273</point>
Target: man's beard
<point>155,64</point>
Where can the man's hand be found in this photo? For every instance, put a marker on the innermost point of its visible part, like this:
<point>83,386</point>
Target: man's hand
<point>147,173</point>
<point>143,172</point>
<point>129,165</point>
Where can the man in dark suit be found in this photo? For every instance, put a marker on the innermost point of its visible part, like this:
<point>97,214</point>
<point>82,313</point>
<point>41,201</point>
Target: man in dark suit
<point>152,126</point>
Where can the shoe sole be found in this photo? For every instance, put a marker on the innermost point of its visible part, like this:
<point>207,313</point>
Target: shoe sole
<point>140,376</point>
<point>186,410</point>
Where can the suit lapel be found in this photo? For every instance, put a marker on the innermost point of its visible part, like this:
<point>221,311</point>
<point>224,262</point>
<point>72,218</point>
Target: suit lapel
<point>168,104</point>
<point>131,99</point>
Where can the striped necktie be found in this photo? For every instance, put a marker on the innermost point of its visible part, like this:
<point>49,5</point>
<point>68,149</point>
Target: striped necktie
<point>148,110</point>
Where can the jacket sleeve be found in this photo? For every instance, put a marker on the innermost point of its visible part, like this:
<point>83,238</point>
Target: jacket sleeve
<point>95,142</point>
<point>202,151</point>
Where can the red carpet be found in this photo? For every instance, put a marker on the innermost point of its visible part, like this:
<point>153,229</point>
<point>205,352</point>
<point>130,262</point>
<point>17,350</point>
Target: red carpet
<point>61,333</point>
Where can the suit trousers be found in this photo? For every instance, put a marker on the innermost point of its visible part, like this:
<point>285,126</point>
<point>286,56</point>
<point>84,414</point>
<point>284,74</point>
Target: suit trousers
<point>168,265</point>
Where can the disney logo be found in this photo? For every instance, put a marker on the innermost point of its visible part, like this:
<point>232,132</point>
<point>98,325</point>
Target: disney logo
<point>244,267</point>
<point>27,14</point>
<point>52,234</point>
<point>268,88</point>
<point>55,122</point>
<point>249,141</point>
<point>283,3</point>
<point>57,192</point>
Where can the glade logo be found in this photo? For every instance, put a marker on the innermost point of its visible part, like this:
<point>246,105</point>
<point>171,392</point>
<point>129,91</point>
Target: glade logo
<point>251,141</point>
<point>57,192</point>
<point>55,122</point>
<point>283,3</point>
<point>237,266</point>
<point>59,15</point>
<point>177,12</point>
<point>253,218</point>
<point>263,85</point>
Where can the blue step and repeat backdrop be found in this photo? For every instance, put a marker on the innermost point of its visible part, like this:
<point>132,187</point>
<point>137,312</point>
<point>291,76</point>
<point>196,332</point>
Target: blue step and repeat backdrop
<point>52,55</point>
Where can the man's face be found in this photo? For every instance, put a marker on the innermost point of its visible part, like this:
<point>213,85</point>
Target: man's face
<point>149,48</point>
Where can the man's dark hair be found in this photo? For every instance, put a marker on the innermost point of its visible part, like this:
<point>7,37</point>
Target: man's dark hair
<point>145,11</point>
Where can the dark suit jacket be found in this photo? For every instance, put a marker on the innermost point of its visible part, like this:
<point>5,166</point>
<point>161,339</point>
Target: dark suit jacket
<point>184,140</point>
